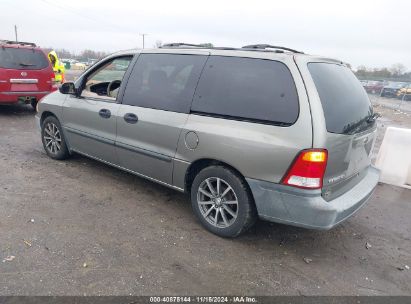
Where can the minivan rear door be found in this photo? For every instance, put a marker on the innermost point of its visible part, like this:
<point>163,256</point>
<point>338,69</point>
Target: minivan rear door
<point>154,110</point>
<point>349,122</point>
<point>24,70</point>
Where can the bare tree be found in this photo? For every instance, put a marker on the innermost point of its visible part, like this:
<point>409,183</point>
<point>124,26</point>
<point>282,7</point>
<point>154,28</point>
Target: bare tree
<point>207,45</point>
<point>398,69</point>
<point>158,44</point>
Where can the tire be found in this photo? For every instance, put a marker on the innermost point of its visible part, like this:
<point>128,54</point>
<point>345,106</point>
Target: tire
<point>53,139</point>
<point>214,212</point>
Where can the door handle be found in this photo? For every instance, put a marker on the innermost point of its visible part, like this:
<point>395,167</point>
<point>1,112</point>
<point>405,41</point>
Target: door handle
<point>105,113</point>
<point>130,118</point>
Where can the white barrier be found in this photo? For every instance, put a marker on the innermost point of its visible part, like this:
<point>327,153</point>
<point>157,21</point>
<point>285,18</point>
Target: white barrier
<point>394,157</point>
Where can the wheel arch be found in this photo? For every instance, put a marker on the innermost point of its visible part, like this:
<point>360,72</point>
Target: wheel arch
<point>199,164</point>
<point>46,114</point>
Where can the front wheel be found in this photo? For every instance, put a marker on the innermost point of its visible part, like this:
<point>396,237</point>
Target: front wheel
<point>222,202</point>
<point>53,139</point>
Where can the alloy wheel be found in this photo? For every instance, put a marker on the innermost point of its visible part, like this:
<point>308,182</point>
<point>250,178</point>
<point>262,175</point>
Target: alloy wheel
<point>217,202</point>
<point>52,138</point>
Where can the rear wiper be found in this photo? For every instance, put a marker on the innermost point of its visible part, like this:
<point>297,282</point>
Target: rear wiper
<point>373,117</point>
<point>362,124</point>
<point>26,64</point>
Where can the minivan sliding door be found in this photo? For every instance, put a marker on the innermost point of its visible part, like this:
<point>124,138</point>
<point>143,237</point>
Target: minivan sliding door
<point>154,110</point>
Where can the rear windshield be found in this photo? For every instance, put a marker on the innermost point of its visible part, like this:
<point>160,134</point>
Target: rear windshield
<point>22,59</point>
<point>346,105</point>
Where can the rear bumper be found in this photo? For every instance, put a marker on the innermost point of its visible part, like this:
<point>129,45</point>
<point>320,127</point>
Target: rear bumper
<point>19,97</point>
<point>307,208</point>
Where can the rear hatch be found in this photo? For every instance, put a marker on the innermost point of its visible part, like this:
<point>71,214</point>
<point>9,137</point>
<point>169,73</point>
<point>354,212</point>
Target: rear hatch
<point>24,70</point>
<point>350,123</point>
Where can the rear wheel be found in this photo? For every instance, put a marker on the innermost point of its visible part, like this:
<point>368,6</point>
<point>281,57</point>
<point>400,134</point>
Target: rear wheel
<point>222,202</point>
<point>53,139</point>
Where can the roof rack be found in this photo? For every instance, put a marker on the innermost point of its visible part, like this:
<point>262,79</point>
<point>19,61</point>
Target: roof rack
<point>178,44</point>
<point>17,42</point>
<point>269,46</point>
<point>200,46</point>
<point>251,47</point>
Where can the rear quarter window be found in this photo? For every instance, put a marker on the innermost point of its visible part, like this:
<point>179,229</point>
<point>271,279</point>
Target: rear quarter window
<point>248,89</point>
<point>22,59</point>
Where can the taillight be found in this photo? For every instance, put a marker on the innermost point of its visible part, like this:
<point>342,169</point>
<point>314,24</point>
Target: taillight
<point>307,170</point>
<point>52,82</point>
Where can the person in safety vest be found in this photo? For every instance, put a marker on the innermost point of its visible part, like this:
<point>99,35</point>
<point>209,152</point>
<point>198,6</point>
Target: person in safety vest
<point>58,67</point>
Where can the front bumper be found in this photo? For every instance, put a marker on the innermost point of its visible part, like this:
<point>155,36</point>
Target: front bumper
<point>307,208</point>
<point>37,118</point>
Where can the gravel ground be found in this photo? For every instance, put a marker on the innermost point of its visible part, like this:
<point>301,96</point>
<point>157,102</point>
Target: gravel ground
<point>80,227</point>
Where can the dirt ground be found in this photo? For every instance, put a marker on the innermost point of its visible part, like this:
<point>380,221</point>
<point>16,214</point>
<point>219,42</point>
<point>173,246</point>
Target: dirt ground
<point>79,227</point>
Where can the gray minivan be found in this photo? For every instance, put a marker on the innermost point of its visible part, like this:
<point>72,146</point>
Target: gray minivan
<point>255,132</point>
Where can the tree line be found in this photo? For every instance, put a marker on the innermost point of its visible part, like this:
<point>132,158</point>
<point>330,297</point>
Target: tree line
<point>81,56</point>
<point>90,54</point>
<point>397,71</point>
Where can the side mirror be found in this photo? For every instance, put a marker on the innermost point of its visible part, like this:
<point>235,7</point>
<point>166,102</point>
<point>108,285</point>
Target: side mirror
<point>67,88</point>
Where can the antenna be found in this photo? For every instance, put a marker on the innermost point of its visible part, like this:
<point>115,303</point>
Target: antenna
<point>15,32</point>
<point>143,35</point>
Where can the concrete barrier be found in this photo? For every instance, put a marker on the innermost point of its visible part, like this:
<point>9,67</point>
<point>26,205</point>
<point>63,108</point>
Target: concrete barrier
<point>394,157</point>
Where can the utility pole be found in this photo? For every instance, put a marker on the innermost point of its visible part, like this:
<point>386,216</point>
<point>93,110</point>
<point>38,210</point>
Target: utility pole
<point>143,35</point>
<point>15,31</point>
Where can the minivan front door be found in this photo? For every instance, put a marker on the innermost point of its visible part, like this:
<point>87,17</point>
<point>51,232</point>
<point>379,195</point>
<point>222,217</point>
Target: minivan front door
<point>154,110</point>
<point>90,127</point>
<point>89,120</point>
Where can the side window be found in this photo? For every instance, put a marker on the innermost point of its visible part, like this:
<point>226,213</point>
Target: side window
<point>164,81</point>
<point>105,82</point>
<point>247,89</point>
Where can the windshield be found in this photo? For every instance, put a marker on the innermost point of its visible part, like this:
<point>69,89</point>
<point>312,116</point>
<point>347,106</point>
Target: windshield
<point>346,106</point>
<point>22,59</point>
<point>396,84</point>
<point>374,83</point>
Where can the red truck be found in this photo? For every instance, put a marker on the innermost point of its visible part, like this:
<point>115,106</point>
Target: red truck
<point>26,74</point>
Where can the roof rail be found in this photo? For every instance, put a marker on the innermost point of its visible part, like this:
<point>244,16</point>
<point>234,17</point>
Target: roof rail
<point>251,47</point>
<point>269,46</point>
<point>17,42</point>
<point>200,46</point>
<point>178,44</point>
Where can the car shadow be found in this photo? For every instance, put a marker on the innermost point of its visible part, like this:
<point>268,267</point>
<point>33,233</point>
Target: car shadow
<point>262,231</point>
<point>17,110</point>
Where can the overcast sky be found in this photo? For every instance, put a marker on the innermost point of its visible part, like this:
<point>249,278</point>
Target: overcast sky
<point>362,32</point>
